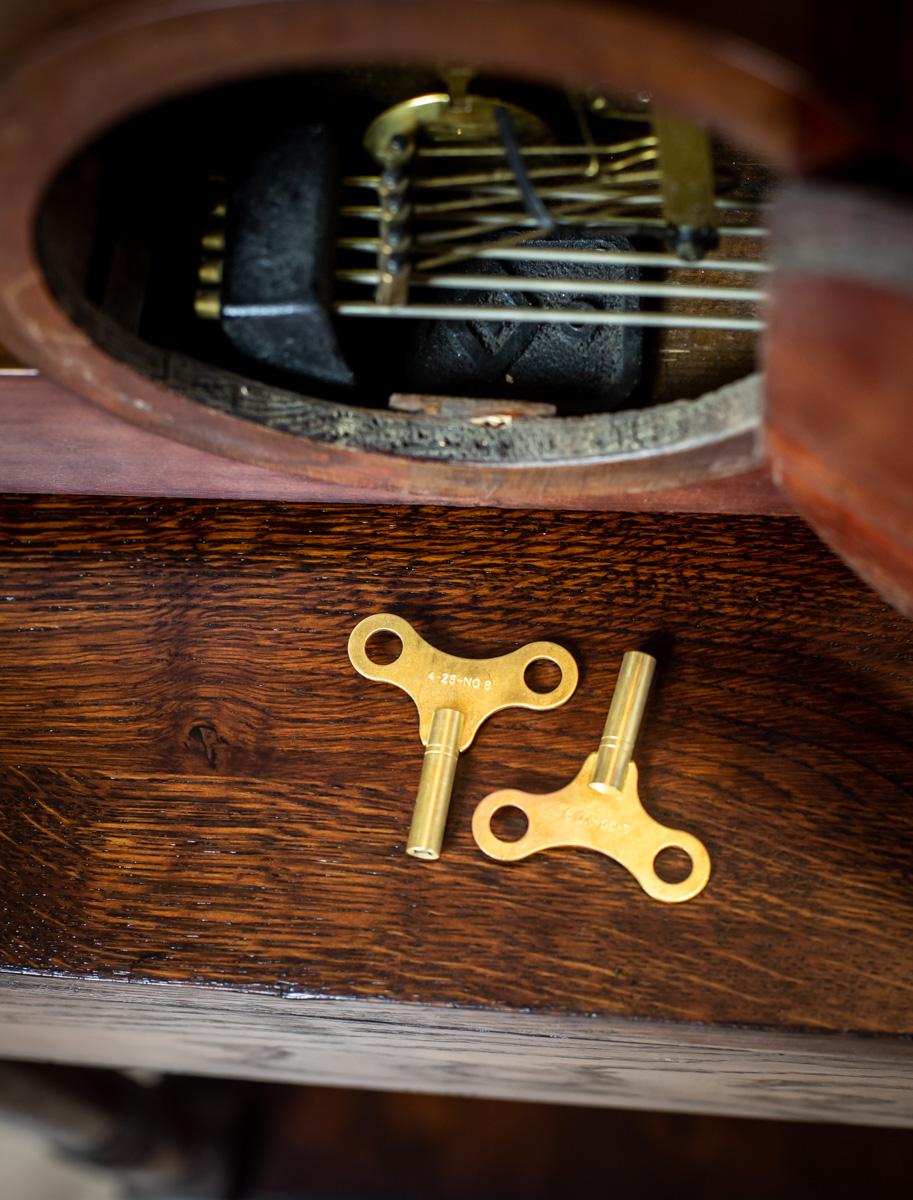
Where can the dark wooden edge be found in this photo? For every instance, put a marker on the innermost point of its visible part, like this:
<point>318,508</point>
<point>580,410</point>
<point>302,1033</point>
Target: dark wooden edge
<point>839,363</point>
<point>422,1048</point>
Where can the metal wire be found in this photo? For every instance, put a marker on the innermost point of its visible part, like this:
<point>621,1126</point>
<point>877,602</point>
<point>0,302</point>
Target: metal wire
<point>601,187</point>
<point>640,258</point>
<point>583,287</point>
<point>497,151</point>
<point>542,316</point>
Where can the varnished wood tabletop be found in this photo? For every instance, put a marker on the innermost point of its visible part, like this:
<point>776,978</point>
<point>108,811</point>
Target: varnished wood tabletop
<point>198,789</point>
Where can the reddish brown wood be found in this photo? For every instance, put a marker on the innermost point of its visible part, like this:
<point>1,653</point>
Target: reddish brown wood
<point>840,381</point>
<point>53,441</point>
<point>79,67</point>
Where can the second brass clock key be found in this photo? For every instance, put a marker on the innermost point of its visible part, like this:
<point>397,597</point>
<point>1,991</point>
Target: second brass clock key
<point>453,697</point>
<point>600,809</point>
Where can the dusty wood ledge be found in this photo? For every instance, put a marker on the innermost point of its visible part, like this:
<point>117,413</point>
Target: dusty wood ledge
<point>197,790</point>
<point>425,1048</point>
<point>53,441</point>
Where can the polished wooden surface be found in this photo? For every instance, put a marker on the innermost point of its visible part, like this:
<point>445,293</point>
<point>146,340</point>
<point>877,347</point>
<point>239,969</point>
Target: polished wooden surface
<point>198,789</point>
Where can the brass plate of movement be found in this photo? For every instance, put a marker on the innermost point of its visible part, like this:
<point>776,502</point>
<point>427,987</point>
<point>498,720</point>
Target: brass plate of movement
<point>443,116</point>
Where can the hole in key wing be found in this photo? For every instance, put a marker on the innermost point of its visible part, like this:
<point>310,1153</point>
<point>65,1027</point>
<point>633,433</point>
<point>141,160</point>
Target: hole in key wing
<point>542,676</point>
<point>509,824</point>
<point>383,647</point>
<point>673,864</point>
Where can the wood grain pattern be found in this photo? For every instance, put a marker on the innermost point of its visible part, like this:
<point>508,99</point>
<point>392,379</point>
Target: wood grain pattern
<point>408,1047</point>
<point>198,789</point>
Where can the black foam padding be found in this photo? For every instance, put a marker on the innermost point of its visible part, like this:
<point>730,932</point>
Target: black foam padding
<point>280,246</point>
<point>581,366</point>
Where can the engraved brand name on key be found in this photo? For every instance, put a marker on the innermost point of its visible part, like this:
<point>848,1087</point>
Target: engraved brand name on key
<point>578,817</point>
<point>470,681</point>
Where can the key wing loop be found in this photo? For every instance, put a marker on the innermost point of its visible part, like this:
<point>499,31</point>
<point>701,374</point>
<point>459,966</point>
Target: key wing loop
<point>474,687</point>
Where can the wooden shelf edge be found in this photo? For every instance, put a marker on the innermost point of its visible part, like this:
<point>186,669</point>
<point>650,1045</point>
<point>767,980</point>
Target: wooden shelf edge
<point>423,1048</point>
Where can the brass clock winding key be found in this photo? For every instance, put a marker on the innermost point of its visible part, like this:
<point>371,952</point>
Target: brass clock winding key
<point>600,809</point>
<point>453,697</point>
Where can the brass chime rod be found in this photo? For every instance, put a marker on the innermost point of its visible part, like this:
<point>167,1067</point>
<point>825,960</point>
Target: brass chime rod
<point>449,254</point>
<point>454,182</point>
<point>497,151</point>
<point>619,197</point>
<point>587,196</point>
<point>568,192</point>
<point>505,195</point>
<point>612,173</point>
<point>484,223</point>
<point>464,253</point>
<point>637,258</point>
<point>583,287</point>
<point>543,316</point>
<point>436,214</point>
